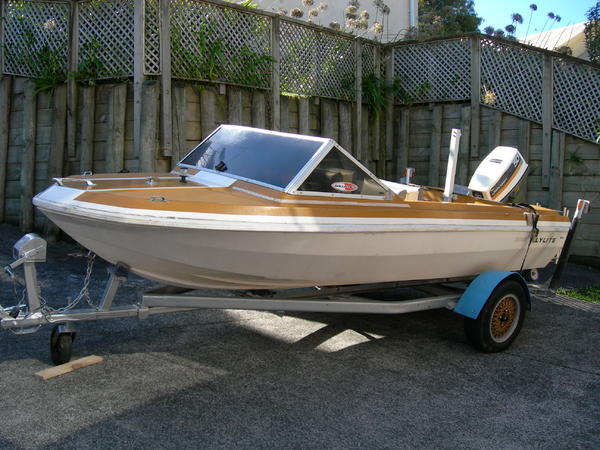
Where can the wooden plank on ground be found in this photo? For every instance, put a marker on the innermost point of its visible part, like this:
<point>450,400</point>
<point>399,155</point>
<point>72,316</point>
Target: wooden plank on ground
<point>69,367</point>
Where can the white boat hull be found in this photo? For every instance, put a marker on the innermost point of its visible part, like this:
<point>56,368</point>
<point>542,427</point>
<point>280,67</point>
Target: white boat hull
<point>243,255</point>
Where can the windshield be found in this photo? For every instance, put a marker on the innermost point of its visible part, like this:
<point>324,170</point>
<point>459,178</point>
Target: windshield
<point>269,158</point>
<point>336,173</point>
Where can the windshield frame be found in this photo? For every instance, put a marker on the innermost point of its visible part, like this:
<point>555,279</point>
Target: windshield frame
<point>314,162</point>
<point>326,144</point>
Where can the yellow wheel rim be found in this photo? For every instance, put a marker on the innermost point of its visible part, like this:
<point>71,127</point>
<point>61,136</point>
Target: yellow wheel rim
<point>505,318</point>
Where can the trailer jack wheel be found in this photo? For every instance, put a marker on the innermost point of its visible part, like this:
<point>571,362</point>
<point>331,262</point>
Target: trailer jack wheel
<point>61,345</point>
<point>500,320</point>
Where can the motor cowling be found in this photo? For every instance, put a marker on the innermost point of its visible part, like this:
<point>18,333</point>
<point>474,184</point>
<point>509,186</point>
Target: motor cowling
<point>498,174</point>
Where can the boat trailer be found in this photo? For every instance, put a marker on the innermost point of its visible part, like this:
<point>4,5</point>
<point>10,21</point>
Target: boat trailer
<point>493,303</point>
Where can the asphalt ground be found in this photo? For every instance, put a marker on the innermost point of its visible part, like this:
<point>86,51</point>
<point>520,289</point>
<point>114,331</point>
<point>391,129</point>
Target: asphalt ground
<point>245,379</point>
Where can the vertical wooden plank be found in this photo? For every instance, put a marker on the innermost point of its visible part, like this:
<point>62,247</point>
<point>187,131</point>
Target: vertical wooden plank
<point>207,111</point>
<point>303,116</point>
<point>149,122</point>
<point>364,137</point>
<point>115,154</point>
<point>72,97</point>
<point>375,145</point>
<point>435,147</point>
<point>345,126</point>
<point>234,100</point>
<point>179,125</point>
<point>275,77</point>
<point>556,170</point>
<point>87,112</point>
<point>328,119</point>
<point>388,147</point>
<point>284,108</point>
<point>358,120</point>
<point>5,105</point>
<point>547,113</point>
<point>259,109</point>
<point>475,95</point>
<point>57,148</point>
<point>403,145</point>
<point>495,130</point>
<point>524,141</point>
<point>462,168</point>
<point>138,74</point>
<point>28,156</point>
<point>58,145</point>
<point>166,118</point>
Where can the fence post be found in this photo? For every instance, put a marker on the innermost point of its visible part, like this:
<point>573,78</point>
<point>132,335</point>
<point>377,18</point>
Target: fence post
<point>547,113</point>
<point>71,83</point>
<point>475,95</point>
<point>357,144</point>
<point>276,73</point>
<point>165,79</point>
<point>138,74</point>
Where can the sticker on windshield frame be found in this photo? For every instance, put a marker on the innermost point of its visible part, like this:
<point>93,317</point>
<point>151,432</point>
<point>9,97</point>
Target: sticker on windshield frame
<point>343,186</point>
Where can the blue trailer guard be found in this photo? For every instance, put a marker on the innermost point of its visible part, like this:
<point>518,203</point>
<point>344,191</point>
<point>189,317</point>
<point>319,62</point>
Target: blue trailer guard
<point>477,294</point>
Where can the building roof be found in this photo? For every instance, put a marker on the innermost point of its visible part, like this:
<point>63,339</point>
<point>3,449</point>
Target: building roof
<point>571,36</point>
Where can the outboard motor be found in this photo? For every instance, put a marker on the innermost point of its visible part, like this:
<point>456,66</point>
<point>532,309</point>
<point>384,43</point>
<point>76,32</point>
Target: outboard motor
<point>498,174</point>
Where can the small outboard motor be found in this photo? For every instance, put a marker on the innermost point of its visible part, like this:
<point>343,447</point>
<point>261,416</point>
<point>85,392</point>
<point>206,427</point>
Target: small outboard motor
<point>498,174</point>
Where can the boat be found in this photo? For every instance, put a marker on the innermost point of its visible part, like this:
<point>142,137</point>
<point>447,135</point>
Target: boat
<point>256,209</point>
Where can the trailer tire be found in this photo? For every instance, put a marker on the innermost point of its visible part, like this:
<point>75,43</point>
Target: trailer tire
<point>61,346</point>
<point>500,320</point>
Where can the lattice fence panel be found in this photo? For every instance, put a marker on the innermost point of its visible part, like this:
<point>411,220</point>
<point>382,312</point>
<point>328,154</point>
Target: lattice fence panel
<point>511,79</point>
<point>36,38</point>
<point>577,99</point>
<point>151,38</point>
<point>368,59</point>
<point>298,68</point>
<point>105,39</point>
<point>215,43</point>
<point>336,66</point>
<point>434,71</point>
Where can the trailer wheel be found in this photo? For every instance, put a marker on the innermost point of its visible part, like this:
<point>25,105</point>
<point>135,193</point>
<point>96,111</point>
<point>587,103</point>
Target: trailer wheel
<point>61,346</point>
<point>500,320</point>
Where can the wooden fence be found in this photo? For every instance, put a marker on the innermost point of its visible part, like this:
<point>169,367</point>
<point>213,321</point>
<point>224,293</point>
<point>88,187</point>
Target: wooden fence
<point>33,140</point>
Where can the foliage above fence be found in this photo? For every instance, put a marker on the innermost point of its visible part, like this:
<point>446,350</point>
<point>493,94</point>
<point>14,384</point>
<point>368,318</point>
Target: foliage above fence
<point>216,42</point>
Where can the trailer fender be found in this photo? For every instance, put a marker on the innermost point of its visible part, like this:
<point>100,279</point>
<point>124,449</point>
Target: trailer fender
<point>477,294</point>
